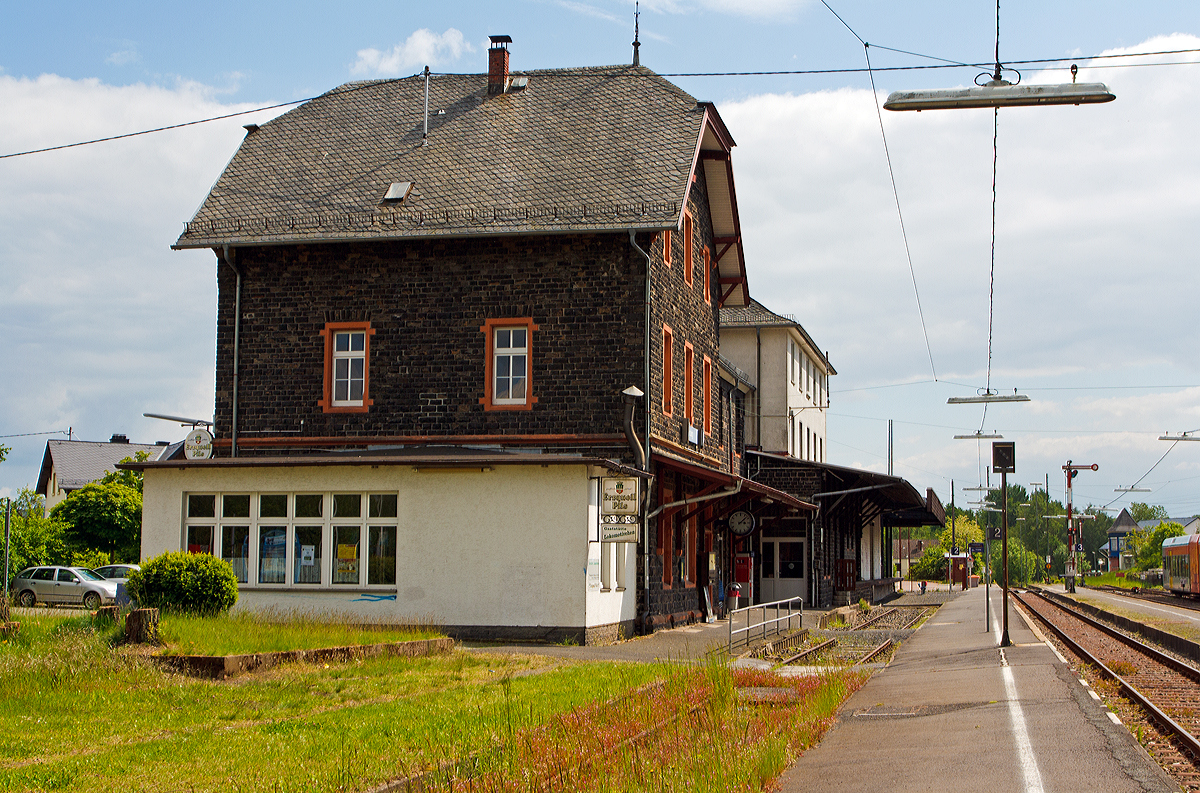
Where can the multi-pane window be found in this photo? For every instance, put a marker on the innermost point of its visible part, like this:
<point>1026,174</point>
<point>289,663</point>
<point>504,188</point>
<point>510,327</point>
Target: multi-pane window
<point>510,357</point>
<point>707,396</point>
<point>349,367</point>
<point>688,264</point>
<point>508,368</point>
<point>298,539</point>
<point>668,370</point>
<point>688,395</point>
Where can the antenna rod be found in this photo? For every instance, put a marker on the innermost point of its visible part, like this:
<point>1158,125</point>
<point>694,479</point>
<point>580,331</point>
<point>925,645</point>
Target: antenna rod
<point>425,137</point>
<point>637,11</point>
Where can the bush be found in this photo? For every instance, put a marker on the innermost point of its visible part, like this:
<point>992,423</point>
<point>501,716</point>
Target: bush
<point>192,582</point>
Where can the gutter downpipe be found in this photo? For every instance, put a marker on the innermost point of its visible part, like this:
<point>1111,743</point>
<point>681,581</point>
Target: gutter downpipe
<point>758,393</point>
<point>237,338</point>
<point>646,455</point>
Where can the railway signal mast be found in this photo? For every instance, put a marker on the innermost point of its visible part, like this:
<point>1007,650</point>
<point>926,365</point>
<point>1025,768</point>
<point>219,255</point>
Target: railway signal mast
<point>1073,535</point>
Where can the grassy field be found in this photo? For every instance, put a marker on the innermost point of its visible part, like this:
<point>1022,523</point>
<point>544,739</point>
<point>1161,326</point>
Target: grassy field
<point>254,632</point>
<point>78,714</point>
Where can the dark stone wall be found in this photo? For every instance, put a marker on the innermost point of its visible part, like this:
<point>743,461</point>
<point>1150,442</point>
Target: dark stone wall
<point>426,301</point>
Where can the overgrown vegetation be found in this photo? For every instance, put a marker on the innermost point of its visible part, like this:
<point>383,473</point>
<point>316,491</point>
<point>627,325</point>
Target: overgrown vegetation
<point>244,632</point>
<point>195,583</point>
<point>80,715</point>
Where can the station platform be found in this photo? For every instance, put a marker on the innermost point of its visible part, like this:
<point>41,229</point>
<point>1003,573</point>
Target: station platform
<point>955,711</point>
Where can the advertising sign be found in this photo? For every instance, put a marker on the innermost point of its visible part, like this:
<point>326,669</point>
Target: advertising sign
<point>619,495</point>
<point>619,509</point>
<point>198,444</point>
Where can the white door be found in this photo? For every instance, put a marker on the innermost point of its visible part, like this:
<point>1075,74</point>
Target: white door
<point>783,569</point>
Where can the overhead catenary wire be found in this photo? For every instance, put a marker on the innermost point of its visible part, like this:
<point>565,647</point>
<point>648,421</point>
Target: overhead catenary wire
<point>895,190</point>
<point>948,64</point>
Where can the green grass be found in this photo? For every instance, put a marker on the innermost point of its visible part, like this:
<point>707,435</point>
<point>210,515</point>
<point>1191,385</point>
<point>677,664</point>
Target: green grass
<point>244,632</point>
<point>1111,579</point>
<point>78,714</point>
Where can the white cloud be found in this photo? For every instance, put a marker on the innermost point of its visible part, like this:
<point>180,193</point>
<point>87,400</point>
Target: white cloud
<point>122,57</point>
<point>101,320</point>
<point>422,48</point>
<point>762,9</point>
<point>589,10</point>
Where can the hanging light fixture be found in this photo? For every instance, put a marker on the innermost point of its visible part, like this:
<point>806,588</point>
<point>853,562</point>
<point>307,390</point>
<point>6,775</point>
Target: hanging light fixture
<point>992,90</point>
<point>998,92</point>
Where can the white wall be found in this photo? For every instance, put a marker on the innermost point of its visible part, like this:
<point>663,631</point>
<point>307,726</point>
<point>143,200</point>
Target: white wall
<point>506,547</point>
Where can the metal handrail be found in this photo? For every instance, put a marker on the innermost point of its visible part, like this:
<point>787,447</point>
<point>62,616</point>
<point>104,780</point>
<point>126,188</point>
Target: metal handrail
<point>777,605</point>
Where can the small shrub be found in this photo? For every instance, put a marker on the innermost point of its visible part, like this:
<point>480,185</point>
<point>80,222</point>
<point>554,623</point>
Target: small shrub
<point>179,581</point>
<point>864,606</point>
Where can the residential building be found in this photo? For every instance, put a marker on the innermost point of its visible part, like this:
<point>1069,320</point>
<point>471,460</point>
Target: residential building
<point>844,552</point>
<point>68,465</point>
<point>460,320</point>
<point>788,413</point>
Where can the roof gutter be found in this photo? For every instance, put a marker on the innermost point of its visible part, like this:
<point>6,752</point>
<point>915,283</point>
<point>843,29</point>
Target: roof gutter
<point>237,338</point>
<point>697,499</point>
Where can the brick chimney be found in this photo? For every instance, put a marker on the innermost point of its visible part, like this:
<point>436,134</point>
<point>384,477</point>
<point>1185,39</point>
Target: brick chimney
<point>498,64</point>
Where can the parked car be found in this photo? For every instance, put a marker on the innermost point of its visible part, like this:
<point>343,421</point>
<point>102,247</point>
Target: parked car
<point>68,585</point>
<point>117,572</point>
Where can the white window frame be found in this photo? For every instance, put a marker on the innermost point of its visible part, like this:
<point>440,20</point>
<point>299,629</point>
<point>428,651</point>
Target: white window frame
<point>509,352</point>
<point>350,355</point>
<point>327,523</point>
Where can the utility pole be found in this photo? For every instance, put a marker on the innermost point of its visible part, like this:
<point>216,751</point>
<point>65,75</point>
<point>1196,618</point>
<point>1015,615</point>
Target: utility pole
<point>1071,472</point>
<point>7,526</point>
<point>1004,462</point>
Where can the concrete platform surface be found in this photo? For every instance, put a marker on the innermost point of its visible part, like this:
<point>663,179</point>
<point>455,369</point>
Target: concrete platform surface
<point>954,711</point>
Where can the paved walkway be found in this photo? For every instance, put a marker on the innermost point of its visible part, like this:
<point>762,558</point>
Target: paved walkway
<point>687,643</point>
<point>953,711</point>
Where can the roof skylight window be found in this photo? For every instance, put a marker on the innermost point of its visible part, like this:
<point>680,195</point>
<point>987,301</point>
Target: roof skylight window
<point>398,192</point>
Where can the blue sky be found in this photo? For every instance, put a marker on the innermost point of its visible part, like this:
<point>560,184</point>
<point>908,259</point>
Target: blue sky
<point>1096,208</point>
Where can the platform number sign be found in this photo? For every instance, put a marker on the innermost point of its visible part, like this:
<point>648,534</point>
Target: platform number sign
<point>1004,458</point>
<point>994,532</point>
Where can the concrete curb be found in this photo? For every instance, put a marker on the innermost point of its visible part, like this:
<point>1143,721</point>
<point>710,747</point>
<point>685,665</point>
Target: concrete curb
<point>220,667</point>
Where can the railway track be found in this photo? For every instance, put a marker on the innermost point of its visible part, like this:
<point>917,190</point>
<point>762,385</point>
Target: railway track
<point>1166,599</point>
<point>1166,689</point>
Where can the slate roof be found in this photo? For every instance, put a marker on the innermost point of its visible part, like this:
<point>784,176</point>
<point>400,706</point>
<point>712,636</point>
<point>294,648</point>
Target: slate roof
<point>586,149</point>
<point>78,463</point>
<point>756,315</point>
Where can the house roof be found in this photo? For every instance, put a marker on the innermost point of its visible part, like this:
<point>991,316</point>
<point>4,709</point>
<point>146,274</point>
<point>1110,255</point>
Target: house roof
<point>587,149</point>
<point>755,315</point>
<point>1122,524</point>
<point>897,498</point>
<point>78,463</point>
<point>430,457</point>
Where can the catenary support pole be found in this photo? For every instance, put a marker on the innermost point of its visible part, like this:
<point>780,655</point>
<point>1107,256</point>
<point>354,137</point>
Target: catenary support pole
<point>1004,640</point>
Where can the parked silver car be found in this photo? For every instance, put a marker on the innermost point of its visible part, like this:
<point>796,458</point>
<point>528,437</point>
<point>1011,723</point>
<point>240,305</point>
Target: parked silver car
<point>117,572</point>
<point>67,585</point>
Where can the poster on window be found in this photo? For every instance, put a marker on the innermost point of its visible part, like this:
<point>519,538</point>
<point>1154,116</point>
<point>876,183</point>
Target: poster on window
<point>307,553</point>
<point>593,571</point>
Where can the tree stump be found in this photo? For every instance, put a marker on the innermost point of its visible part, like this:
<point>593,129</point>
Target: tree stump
<point>141,626</point>
<point>5,614</point>
<point>108,613</point>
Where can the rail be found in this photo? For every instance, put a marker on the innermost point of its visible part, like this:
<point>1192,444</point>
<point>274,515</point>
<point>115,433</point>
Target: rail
<point>778,606</point>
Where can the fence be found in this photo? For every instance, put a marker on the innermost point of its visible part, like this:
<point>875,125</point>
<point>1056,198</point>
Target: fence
<point>765,625</point>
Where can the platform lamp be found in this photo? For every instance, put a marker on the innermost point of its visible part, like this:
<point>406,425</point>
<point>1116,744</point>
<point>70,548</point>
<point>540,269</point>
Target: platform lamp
<point>1004,462</point>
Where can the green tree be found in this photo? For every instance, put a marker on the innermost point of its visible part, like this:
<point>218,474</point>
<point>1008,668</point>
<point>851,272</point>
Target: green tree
<point>4,450</point>
<point>128,478</point>
<point>1139,512</point>
<point>964,530</point>
<point>104,517</point>
<point>1148,544</point>
<point>35,539</point>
